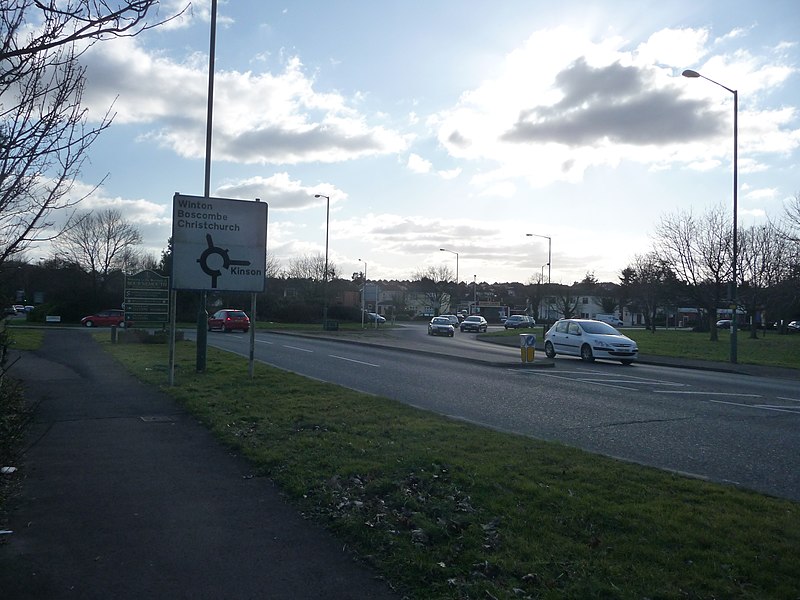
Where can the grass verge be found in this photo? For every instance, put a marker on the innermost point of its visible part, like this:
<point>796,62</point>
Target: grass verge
<point>772,349</point>
<point>444,509</point>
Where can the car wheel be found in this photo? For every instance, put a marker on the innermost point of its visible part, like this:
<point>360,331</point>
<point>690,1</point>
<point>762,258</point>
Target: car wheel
<point>223,329</point>
<point>586,353</point>
<point>245,330</point>
<point>89,324</point>
<point>209,327</point>
<point>452,334</point>
<point>549,351</point>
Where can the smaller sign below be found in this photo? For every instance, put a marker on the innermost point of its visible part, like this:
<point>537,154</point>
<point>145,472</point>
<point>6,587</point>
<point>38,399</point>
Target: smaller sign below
<point>146,299</point>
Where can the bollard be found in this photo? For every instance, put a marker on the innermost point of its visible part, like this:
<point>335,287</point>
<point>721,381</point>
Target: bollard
<point>527,347</point>
<point>113,334</point>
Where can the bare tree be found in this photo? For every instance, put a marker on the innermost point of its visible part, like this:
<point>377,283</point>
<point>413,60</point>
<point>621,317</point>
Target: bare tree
<point>435,283</point>
<point>44,131</point>
<point>768,258</point>
<point>793,216</point>
<point>99,243</point>
<point>698,251</point>
<point>310,267</point>
<point>648,284</point>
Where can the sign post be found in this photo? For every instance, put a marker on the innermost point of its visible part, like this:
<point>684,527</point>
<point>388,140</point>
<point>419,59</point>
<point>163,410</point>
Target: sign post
<point>218,244</point>
<point>146,299</point>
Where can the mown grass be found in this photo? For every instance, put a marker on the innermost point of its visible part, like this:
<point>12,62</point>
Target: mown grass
<point>444,509</point>
<point>772,349</point>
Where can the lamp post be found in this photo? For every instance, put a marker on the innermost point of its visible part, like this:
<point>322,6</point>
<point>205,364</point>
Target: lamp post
<point>363,292</point>
<point>456,253</point>
<point>474,293</point>
<point>452,252</point>
<point>549,251</point>
<point>693,74</point>
<point>325,283</point>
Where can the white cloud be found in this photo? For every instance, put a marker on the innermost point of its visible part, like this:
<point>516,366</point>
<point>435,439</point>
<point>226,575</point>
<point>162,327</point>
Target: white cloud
<point>258,118</point>
<point>417,164</point>
<point>598,103</point>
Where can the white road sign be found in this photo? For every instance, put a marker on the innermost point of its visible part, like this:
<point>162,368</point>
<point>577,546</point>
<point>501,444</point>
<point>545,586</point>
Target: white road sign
<point>218,244</point>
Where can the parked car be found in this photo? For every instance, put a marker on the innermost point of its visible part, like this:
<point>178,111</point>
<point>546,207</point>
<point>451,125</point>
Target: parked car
<point>474,323</point>
<point>19,308</point>
<point>105,318</point>
<point>793,327</point>
<point>441,326</point>
<point>609,318</point>
<point>373,317</point>
<point>519,322</point>
<point>589,339</point>
<point>724,324</point>
<point>454,321</point>
<point>229,319</point>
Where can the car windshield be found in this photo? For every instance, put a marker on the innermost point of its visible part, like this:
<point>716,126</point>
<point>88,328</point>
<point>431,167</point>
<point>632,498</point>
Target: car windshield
<point>440,321</point>
<point>236,314</point>
<point>598,327</point>
<point>472,319</point>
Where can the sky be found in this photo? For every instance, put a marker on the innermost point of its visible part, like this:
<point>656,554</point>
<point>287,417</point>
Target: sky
<point>461,125</point>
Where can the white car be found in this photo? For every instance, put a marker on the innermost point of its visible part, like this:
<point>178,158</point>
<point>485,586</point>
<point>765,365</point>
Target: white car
<point>589,339</point>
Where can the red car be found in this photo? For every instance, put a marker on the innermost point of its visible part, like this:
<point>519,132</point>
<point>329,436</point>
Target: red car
<point>229,319</point>
<point>105,318</point>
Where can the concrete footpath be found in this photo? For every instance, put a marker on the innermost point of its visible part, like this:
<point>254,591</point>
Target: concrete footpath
<point>124,495</point>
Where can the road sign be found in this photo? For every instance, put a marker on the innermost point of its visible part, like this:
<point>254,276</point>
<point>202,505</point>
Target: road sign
<point>218,244</point>
<point>146,299</point>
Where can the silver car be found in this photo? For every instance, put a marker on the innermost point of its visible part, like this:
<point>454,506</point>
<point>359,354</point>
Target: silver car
<point>589,339</point>
<point>474,323</point>
<point>440,326</point>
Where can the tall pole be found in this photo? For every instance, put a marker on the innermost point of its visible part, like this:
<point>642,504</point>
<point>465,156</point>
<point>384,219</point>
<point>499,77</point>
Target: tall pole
<point>735,257</point>
<point>325,282</point>
<point>363,292</point>
<point>456,253</point>
<point>202,314</point>
<point>549,251</point>
<point>452,252</point>
<point>474,293</point>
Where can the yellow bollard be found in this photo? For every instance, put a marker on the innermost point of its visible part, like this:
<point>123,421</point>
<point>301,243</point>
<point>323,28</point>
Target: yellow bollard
<point>527,347</point>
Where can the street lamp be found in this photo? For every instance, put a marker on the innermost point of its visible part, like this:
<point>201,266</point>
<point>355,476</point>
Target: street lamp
<point>325,283</point>
<point>549,251</point>
<point>456,253</point>
<point>474,294</point>
<point>694,74</point>
<point>451,252</point>
<point>364,292</point>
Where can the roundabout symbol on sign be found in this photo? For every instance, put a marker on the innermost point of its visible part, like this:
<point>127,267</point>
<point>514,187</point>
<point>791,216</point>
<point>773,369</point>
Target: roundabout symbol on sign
<point>226,260</point>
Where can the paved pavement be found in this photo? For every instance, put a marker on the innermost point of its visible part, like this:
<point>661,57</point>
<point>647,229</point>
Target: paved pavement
<point>124,495</point>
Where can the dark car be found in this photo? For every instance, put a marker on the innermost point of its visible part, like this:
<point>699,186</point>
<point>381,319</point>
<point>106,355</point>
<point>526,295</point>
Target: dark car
<point>441,326</point>
<point>229,319</point>
<point>105,318</point>
<point>474,323</point>
<point>454,320</point>
<point>724,324</point>
<point>519,321</point>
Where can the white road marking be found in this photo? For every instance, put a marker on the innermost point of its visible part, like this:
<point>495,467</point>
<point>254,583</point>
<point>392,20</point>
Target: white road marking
<point>360,362</point>
<point>698,393</point>
<point>789,399</point>
<point>787,409</point>
<point>300,349</point>
<point>265,342</point>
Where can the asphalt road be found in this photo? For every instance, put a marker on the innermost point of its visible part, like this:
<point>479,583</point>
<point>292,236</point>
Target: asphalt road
<point>735,429</point>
